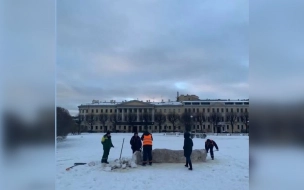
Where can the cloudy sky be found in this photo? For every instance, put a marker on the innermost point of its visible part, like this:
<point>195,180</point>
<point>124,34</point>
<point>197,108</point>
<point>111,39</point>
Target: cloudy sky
<point>151,49</point>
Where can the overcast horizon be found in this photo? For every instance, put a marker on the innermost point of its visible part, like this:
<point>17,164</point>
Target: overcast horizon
<point>150,50</point>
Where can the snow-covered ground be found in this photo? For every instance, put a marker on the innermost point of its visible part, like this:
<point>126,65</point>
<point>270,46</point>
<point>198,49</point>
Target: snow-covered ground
<point>229,170</point>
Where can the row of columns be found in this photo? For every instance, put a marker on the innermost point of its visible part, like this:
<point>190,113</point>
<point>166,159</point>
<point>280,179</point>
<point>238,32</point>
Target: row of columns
<point>137,112</point>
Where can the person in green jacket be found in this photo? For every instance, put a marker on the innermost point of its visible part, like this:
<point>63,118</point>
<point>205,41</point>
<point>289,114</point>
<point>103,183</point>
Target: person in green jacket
<point>107,145</point>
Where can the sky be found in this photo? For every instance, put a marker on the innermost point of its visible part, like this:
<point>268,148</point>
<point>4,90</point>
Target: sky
<point>150,50</point>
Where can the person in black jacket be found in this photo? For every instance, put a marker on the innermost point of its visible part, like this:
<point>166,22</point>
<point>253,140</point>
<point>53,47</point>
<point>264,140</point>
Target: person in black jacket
<point>209,144</point>
<point>135,143</point>
<point>188,144</point>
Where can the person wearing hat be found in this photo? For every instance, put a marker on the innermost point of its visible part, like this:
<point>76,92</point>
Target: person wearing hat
<point>107,145</point>
<point>188,144</point>
<point>147,139</point>
<point>135,142</point>
<point>209,144</point>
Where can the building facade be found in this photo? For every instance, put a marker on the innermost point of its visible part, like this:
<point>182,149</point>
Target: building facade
<point>135,115</point>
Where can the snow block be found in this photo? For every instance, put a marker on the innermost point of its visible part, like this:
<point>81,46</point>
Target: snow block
<point>171,156</point>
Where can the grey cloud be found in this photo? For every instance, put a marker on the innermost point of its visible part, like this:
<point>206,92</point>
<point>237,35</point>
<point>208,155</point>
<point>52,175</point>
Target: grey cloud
<point>143,49</point>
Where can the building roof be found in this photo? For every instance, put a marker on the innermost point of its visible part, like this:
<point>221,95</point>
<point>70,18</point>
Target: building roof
<point>114,103</point>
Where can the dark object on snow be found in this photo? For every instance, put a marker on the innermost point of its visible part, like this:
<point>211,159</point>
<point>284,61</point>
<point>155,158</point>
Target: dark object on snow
<point>209,144</point>
<point>107,145</point>
<point>147,139</point>
<point>135,142</point>
<point>75,164</point>
<point>188,144</point>
<point>121,149</point>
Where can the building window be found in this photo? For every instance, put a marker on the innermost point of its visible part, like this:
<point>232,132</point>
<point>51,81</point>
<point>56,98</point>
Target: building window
<point>203,126</point>
<point>208,110</point>
<point>208,126</point>
<point>198,127</point>
<point>231,110</point>
<point>115,110</point>
<point>204,110</point>
<point>222,110</point>
<point>237,110</point>
<point>227,127</point>
<point>193,110</point>
<point>155,127</point>
<point>185,110</point>
<point>226,109</point>
<point>119,127</point>
<point>170,127</point>
<point>150,127</point>
<point>241,110</point>
<point>217,110</point>
<point>179,127</point>
<point>96,127</point>
<point>110,110</point>
<point>238,126</point>
<point>246,110</point>
<point>178,110</point>
<point>165,110</point>
<point>212,109</point>
<point>106,110</point>
<point>124,127</point>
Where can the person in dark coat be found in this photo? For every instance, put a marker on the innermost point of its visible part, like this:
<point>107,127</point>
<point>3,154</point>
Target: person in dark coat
<point>107,145</point>
<point>188,144</point>
<point>209,144</point>
<point>147,139</point>
<point>135,143</point>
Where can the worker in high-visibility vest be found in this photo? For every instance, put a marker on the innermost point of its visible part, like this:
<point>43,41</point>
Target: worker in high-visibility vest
<point>147,148</point>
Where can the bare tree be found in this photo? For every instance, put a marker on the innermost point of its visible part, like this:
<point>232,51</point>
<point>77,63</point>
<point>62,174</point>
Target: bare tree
<point>215,119</point>
<point>186,120</point>
<point>201,119</point>
<point>64,122</point>
<point>114,119</point>
<point>91,120</point>
<point>103,118</point>
<point>231,118</point>
<point>159,119</point>
<point>173,118</point>
<point>146,117</point>
<point>245,119</point>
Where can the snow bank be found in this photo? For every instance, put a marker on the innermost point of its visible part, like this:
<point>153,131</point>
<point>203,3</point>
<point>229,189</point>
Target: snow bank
<point>171,156</point>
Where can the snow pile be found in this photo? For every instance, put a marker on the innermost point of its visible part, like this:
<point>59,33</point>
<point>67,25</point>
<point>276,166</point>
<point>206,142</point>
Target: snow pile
<point>124,163</point>
<point>171,156</point>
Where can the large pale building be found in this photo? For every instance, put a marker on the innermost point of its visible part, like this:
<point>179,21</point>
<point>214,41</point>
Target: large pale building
<point>135,115</point>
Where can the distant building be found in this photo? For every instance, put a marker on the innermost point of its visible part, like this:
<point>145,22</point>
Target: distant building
<point>182,98</point>
<point>127,116</point>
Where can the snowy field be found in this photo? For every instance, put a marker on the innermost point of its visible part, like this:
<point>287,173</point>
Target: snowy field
<point>229,170</point>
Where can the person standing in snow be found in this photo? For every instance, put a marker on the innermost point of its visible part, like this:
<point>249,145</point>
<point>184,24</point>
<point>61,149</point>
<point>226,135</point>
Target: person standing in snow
<point>135,143</point>
<point>209,144</point>
<point>147,147</point>
<point>188,144</point>
<point>107,145</point>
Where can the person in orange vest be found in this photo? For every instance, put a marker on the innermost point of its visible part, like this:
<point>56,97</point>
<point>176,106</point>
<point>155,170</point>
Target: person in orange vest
<point>209,144</point>
<point>147,147</point>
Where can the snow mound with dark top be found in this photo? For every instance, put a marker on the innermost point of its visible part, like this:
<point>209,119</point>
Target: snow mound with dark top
<point>171,156</point>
